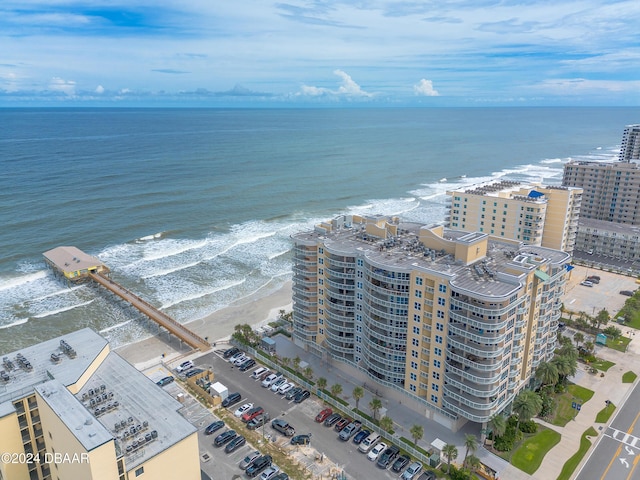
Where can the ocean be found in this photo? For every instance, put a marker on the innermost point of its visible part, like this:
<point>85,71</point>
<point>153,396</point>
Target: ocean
<point>193,208</point>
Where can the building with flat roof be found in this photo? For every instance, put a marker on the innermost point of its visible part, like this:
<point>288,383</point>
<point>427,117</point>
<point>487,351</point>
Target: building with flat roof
<point>455,321</point>
<point>532,214</point>
<point>73,263</point>
<point>89,414</point>
<point>612,243</point>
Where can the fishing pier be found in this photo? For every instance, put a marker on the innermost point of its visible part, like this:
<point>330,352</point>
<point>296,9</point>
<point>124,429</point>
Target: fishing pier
<point>76,266</point>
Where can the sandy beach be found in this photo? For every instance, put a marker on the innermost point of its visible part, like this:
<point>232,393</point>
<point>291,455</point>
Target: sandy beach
<point>217,327</point>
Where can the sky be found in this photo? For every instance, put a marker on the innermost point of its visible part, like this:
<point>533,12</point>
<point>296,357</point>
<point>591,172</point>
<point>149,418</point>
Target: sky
<point>259,53</point>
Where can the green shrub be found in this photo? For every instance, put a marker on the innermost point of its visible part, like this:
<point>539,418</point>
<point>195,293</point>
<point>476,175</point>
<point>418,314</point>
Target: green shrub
<point>529,426</point>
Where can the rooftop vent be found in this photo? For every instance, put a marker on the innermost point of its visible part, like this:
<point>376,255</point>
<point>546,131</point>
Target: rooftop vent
<point>66,348</point>
<point>4,376</point>
<point>55,358</point>
<point>8,364</point>
<point>24,363</point>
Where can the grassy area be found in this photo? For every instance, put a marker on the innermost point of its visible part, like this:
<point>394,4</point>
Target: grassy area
<point>571,464</point>
<point>604,414</point>
<point>602,365</point>
<point>619,344</point>
<point>563,411</point>
<point>530,454</point>
<point>629,377</point>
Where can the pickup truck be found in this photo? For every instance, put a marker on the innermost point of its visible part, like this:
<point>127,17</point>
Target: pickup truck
<point>283,427</point>
<point>258,421</point>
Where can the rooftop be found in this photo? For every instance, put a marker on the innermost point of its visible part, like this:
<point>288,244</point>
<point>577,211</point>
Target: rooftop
<point>71,259</point>
<point>622,229</point>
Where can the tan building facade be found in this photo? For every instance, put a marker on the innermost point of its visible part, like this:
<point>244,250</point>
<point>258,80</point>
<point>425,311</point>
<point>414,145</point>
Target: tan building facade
<point>455,321</point>
<point>532,214</point>
<point>72,409</point>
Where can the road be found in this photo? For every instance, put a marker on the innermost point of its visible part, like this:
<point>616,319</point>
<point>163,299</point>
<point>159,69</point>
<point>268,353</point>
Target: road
<point>617,453</point>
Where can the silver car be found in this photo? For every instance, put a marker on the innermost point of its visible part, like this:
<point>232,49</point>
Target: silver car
<point>412,471</point>
<point>248,460</point>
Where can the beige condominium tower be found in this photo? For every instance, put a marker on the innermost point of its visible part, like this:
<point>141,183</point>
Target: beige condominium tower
<point>70,409</point>
<point>532,214</point>
<point>452,322</point>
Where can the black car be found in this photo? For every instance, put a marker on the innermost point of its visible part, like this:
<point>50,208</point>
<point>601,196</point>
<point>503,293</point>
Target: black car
<point>332,419</point>
<point>292,393</point>
<point>215,426</point>
<point>165,381</point>
<point>258,466</point>
<point>234,444</point>
<point>400,463</point>
<point>360,436</point>
<point>232,399</point>
<point>230,352</point>
<point>247,365</point>
<point>388,456</point>
<point>301,440</point>
<point>281,476</point>
<point>225,437</point>
<point>303,395</point>
<point>193,372</point>
<point>429,475</point>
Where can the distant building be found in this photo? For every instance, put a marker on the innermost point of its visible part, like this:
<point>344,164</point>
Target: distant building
<point>630,148</point>
<point>455,322</point>
<point>532,214</point>
<point>90,415</point>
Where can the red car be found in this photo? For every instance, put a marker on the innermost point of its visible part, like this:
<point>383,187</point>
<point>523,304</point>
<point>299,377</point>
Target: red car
<point>322,416</point>
<point>251,414</point>
<point>341,424</point>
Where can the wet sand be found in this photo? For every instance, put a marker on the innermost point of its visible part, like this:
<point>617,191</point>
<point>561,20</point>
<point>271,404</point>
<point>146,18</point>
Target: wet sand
<point>255,310</point>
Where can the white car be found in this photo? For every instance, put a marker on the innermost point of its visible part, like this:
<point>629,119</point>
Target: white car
<point>235,357</point>
<point>376,451</point>
<point>259,372</point>
<point>284,388</point>
<point>276,385</point>
<point>267,382</point>
<point>270,472</point>
<point>184,366</point>
<point>241,359</point>
<point>247,406</point>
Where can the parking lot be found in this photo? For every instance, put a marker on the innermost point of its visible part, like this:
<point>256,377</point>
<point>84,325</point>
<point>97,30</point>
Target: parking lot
<point>336,455</point>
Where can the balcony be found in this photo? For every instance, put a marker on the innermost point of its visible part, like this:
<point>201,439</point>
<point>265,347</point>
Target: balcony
<point>479,379</point>
<point>381,371</point>
<point>339,294</point>
<point>381,334</point>
<point>307,282</point>
<point>340,285</point>
<point>385,314</point>
<point>385,325</point>
<point>494,339</point>
<point>338,316</point>
<point>469,400</point>
<point>387,277</point>
<point>304,272</point>
<point>477,350</point>
<point>478,322</point>
<point>480,364</point>
<point>333,273</point>
<point>306,261</point>
<point>465,306</point>
<point>334,262</point>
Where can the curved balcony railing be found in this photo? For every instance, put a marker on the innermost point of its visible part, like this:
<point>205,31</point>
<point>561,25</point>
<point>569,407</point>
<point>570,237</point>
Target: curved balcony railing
<point>477,349</point>
<point>486,366</point>
<point>374,355</point>
<point>339,316</point>
<point>340,263</point>
<point>332,273</point>
<point>340,285</point>
<point>483,310</point>
<point>302,301</point>
<point>476,392</point>
<point>387,278</point>
<point>300,280</point>
<point>384,326</point>
<point>382,335</point>
<point>469,402</point>
<point>396,377</point>
<point>383,301</point>
<point>466,413</point>
<point>494,339</point>
<point>481,380</point>
<point>340,307</point>
<point>384,314</point>
<point>478,322</point>
<point>331,292</point>
<point>304,272</point>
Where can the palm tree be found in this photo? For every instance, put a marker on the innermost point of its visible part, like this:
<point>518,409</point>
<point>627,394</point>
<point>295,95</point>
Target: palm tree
<point>285,361</point>
<point>471,445</point>
<point>498,425</point>
<point>322,383</point>
<point>565,366</point>
<point>296,363</point>
<point>547,373</point>
<point>526,405</point>
<point>358,393</point>
<point>578,338</point>
<point>451,452</point>
<point>602,318</point>
<point>336,389</point>
<point>375,405</point>
<point>386,423</point>
<point>417,432</point>
<point>473,463</point>
<point>568,351</point>
<point>308,373</point>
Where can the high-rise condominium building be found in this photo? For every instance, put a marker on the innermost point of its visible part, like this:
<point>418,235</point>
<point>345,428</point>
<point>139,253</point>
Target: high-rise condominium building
<point>72,409</point>
<point>456,322</point>
<point>630,148</point>
<point>533,214</point>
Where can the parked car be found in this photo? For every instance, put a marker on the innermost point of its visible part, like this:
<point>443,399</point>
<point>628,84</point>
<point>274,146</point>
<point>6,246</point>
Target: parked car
<point>184,366</point>
<point>343,422</point>
<point>282,426</point>
<point>360,436</point>
<point>626,293</point>
<point>230,352</point>
<point>375,452</point>
<point>332,419</point>
<point>429,475</point>
<point>302,396</point>
<point>215,426</point>
<point>349,431</point>
<point>257,373</point>
<point>251,414</point>
<point>292,393</point>
<point>322,416</point>
<point>247,406</point>
<point>269,473</point>
<point>258,465</point>
<point>167,380</point>
<point>267,382</point>
<point>224,437</point>
<point>247,365</point>
<point>248,460</point>
<point>586,283</point>
<point>240,360</point>
<point>284,388</point>
<point>401,462</point>
<point>231,399</point>
<point>281,476</point>
<point>594,279</point>
<point>276,385</point>
<point>388,456</point>
<point>258,421</point>
<point>193,372</point>
<point>235,444</point>
<point>412,471</point>
<point>236,356</point>
<point>301,440</point>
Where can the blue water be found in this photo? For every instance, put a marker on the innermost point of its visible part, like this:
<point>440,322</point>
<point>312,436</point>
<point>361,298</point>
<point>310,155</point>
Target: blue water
<point>194,208</point>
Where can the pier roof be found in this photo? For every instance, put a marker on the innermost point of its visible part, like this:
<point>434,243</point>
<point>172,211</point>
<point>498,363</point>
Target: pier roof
<point>71,259</point>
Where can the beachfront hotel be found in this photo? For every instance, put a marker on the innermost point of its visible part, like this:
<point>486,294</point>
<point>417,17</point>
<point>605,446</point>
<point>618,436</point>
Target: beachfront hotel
<point>72,409</point>
<point>453,323</point>
<point>533,214</point>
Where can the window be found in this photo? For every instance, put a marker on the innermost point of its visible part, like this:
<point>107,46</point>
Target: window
<point>440,327</point>
<point>436,363</point>
<point>412,387</point>
<point>416,318</point>
<point>438,338</point>
<point>434,398</point>
<point>414,365</point>
<point>321,271</point>
<point>321,261</point>
<point>436,375</point>
<point>417,306</point>
<point>418,281</point>
<point>139,471</point>
<point>418,293</point>
<point>441,301</point>
<point>415,342</point>
<point>414,353</point>
<point>413,377</point>
<point>416,330</point>
<point>435,387</point>
<point>442,288</point>
<point>437,351</point>
<point>440,314</point>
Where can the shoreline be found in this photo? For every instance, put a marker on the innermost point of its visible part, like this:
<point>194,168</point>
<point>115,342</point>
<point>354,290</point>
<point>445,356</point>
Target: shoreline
<point>218,326</point>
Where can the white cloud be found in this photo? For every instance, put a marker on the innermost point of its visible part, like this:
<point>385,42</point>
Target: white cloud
<point>425,87</point>
<point>68,87</point>
<point>348,88</point>
<point>100,89</point>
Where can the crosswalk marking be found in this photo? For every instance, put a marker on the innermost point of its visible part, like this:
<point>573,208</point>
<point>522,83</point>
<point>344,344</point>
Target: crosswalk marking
<point>623,437</point>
